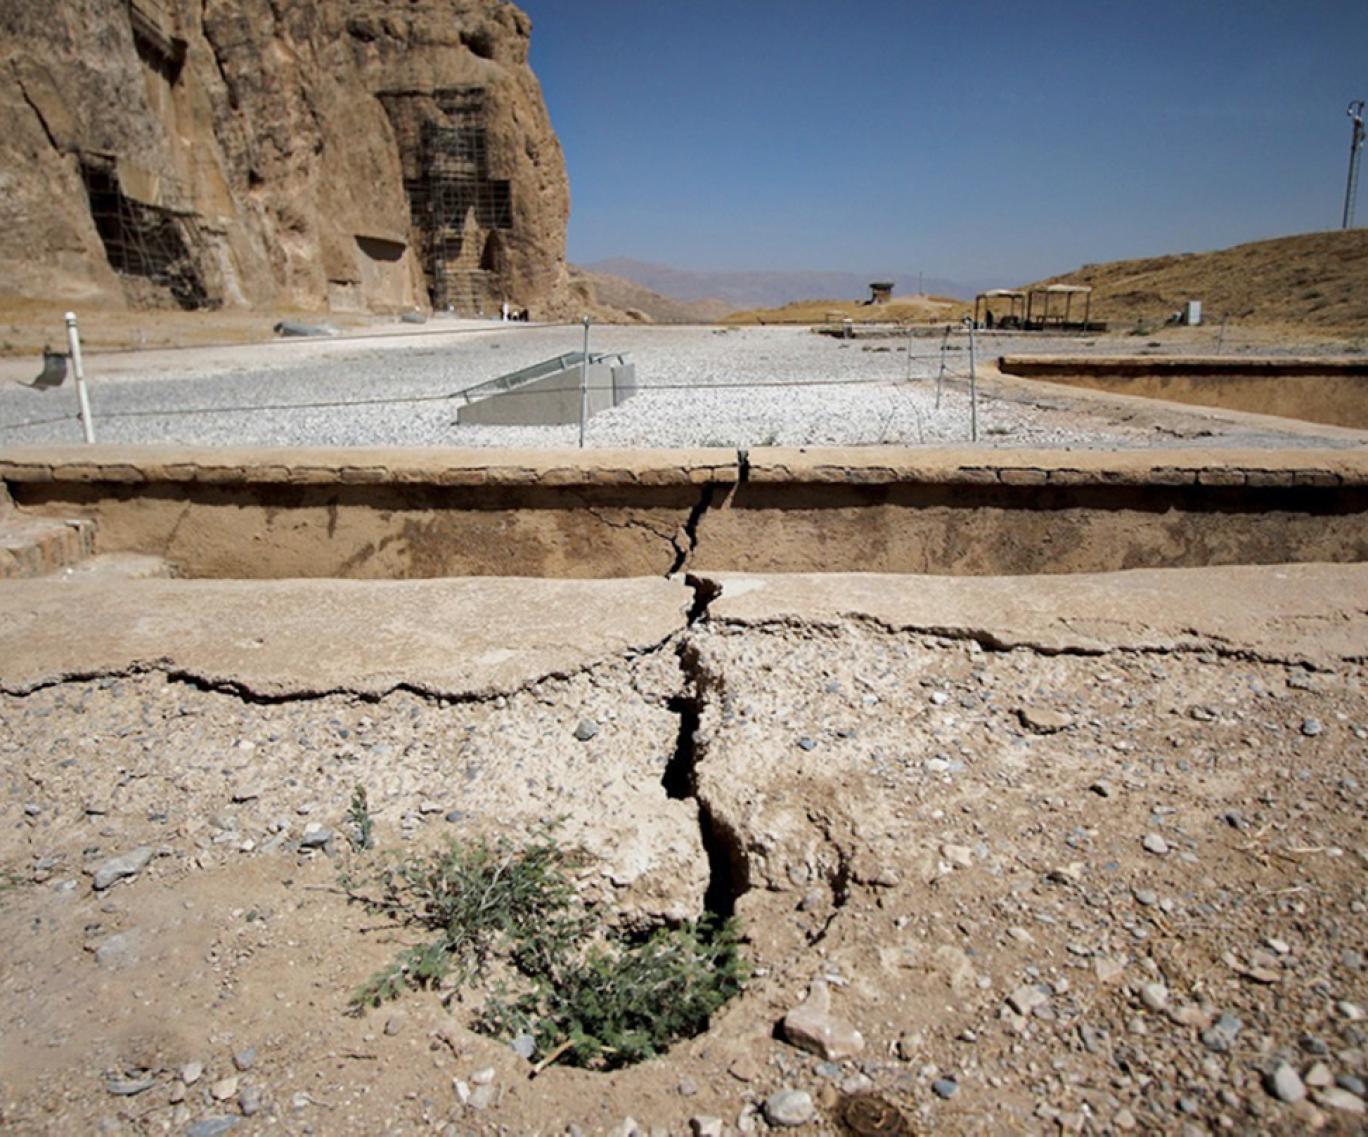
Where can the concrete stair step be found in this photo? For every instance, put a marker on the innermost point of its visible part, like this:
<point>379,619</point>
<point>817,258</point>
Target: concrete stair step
<point>37,546</point>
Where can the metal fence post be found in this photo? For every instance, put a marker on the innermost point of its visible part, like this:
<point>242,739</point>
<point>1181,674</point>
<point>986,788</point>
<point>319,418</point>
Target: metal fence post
<point>74,346</point>
<point>940,375</point>
<point>973,390</point>
<point>584,383</point>
<point>908,377</point>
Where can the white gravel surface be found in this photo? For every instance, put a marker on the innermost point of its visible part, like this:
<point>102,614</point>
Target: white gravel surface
<point>698,386</point>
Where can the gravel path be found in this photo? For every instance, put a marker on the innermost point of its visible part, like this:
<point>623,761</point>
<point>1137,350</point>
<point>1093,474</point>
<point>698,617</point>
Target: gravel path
<point>699,386</point>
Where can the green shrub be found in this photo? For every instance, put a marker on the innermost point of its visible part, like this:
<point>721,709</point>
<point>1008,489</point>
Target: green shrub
<point>598,999</point>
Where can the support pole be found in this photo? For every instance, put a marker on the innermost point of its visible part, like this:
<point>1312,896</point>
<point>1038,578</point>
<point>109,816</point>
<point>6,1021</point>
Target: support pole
<point>973,390</point>
<point>1355,113</point>
<point>908,377</point>
<point>940,375</point>
<point>584,383</point>
<point>74,346</point>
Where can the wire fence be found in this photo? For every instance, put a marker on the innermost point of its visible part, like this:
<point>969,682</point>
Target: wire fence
<point>945,373</point>
<point>908,361</point>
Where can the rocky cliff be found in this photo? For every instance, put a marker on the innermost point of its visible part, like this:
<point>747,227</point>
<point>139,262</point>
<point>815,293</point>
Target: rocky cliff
<point>315,154</point>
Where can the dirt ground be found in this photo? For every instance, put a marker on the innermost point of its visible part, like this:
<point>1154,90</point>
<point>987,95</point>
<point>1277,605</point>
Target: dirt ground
<point>1067,865</point>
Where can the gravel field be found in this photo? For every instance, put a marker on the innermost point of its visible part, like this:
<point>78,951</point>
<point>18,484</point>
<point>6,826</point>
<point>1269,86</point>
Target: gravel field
<point>699,386</point>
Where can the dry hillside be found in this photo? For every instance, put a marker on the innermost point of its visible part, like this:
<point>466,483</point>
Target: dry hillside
<point>1314,281</point>
<point>902,309</point>
<point>636,302</point>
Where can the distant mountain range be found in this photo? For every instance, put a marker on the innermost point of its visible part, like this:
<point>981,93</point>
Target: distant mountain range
<point>742,290</point>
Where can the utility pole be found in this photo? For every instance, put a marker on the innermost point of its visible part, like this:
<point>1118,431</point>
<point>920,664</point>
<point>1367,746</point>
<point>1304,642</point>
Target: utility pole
<point>1355,113</point>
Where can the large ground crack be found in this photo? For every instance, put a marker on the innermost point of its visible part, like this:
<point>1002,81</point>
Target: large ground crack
<point>727,876</point>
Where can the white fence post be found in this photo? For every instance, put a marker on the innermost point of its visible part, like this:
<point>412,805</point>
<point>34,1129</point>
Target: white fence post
<point>74,346</point>
<point>973,390</point>
<point>584,384</point>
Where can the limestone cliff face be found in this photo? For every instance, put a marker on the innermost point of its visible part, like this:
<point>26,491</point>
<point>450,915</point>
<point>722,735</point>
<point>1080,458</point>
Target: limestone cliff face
<point>318,154</point>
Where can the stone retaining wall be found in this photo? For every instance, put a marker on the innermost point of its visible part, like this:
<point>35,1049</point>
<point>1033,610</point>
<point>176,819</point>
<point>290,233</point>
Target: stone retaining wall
<point>1330,390</point>
<point>428,513</point>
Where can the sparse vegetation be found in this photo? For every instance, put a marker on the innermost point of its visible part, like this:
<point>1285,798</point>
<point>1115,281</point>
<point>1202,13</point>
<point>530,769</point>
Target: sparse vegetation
<point>1312,281</point>
<point>586,996</point>
<point>361,831</point>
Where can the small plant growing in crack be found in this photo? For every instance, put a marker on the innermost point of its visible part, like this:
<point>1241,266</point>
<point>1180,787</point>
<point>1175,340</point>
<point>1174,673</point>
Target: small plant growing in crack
<point>509,915</point>
<point>361,826</point>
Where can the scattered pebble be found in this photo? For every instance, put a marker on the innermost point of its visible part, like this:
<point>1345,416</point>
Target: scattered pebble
<point>1285,1084</point>
<point>789,1108</point>
<point>119,868</point>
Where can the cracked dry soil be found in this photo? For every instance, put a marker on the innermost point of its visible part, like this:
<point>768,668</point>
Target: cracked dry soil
<point>958,839</point>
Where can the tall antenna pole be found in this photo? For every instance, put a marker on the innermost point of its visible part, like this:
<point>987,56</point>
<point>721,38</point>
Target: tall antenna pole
<point>1355,112</point>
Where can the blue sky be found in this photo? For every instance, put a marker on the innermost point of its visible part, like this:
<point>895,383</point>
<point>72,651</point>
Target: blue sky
<point>987,142</point>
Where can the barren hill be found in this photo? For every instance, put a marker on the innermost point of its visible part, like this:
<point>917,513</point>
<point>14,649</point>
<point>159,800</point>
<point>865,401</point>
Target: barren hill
<point>901,309</point>
<point>637,302</point>
<point>1313,280</point>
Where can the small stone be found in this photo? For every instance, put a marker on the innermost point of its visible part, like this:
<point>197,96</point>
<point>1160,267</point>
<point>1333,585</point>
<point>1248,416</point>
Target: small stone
<point>1155,996</point>
<point>249,1100</point>
<point>191,1072</point>
<point>1311,727</point>
<point>687,1087</point>
<point>961,856</point>
<point>1221,1036</point>
<point>119,950</point>
<point>1123,1119</point>
<point>315,836</point>
<point>806,744</point>
<point>393,1025</point>
<point>1192,1016</point>
<point>482,1077</point>
<point>224,1088</point>
<point>856,1083</point>
<point>245,1058</point>
<point>211,1127</point>
<point>178,1091</point>
<point>1026,998</point>
<point>524,1046</point>
<point>1319,1076</point>
<point>1107,969</point>
<point>744,1069</point>
<point>627,1127</point>
<point>1285,1084</point>
<point>1336,1098</point>
<point>945,1088</point>
<point>129,1087</point>
<point>585,729</point>
<point>1354,1085</point>
<point>789,1107</point>
<point>1155,843</point>
<point>482,1097</point>
<point>117,868</point>
<point>705,1125</point>
<point>1102,788</point>
<point>1146,897</point>
<point>1351,1011</point>
<point>812,1027</point>
<point>1042,720</point>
